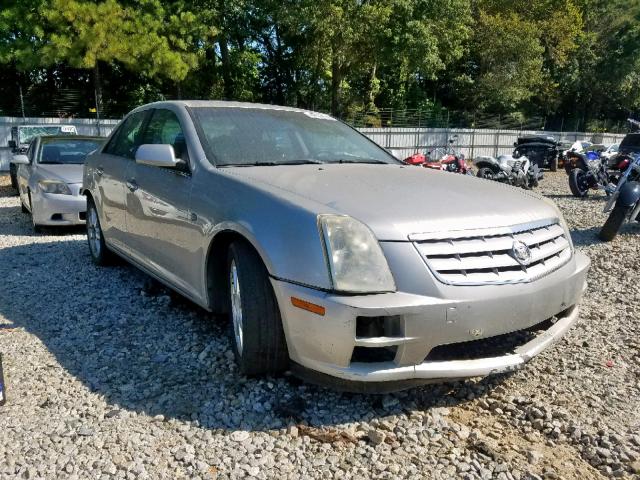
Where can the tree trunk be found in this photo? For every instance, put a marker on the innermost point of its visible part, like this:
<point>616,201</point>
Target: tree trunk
<point>371,90</point>
<point>314,81</point>
<point>226,67</point>
<point>336,80</point>
<point>97,84</point>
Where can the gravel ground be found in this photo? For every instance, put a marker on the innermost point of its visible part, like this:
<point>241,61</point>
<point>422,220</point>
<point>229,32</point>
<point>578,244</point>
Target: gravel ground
<point>111,376</point>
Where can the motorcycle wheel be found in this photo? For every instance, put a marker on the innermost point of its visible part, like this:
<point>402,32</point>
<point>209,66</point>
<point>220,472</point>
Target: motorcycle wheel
<point>616,218</point>
<point>578,183</point>
<point>487,173</point>
<point>553,164</point>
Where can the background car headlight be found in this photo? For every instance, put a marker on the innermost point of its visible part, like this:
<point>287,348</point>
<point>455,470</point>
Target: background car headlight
<point>52,186</point>
<point>356,261</point>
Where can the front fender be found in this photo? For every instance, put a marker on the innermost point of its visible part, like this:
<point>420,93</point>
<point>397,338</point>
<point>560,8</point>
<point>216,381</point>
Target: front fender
<point>629,194</point>
<point>282,229</point>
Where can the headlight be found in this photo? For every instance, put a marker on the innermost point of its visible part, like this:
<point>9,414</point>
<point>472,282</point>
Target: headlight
<point>356,261</point>
<point>52,186</point>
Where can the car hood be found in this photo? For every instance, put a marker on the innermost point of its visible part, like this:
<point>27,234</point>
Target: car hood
<point>399,201</point>
<point>65,173</point>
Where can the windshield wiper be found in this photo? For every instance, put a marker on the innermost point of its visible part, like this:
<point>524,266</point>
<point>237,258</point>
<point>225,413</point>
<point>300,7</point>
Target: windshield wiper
<point>358,160</point>
<point>307,161</point>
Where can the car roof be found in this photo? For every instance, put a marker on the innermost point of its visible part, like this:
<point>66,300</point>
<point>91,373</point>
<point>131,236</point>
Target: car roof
<point>45,125</point>
<point>220,104</point>
<point>49,138</point>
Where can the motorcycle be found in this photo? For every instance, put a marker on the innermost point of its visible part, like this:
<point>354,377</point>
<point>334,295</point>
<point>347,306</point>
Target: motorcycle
<point>541,150</point>
<point>624,202</point>
<point>590,171</point>
<point>519,172</point>
<point>446,159</point>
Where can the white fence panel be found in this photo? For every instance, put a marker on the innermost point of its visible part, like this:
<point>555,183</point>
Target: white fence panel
<point>401,141</point>
<point>472,142</point>
<point>85,126</point>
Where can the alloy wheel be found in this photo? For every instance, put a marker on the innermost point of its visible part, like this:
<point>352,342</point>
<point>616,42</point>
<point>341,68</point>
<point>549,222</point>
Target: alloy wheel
<point>94,232</point>
<point>236,306</point>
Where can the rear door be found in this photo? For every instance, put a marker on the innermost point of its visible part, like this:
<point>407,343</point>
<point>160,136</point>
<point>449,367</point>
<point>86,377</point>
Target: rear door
<point>160,229</point>
<point>111,167</point>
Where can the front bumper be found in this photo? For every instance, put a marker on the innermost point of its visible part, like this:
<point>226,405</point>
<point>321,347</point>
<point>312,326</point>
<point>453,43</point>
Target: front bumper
<point>61,210</point>
<point>326,344</point>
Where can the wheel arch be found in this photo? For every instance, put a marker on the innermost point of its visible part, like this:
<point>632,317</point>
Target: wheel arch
<point>216,265</point>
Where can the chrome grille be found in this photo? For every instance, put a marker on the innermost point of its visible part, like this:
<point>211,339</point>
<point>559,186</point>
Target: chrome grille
<point>488,258</point>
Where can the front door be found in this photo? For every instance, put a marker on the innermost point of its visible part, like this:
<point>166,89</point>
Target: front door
<point>110,177</point>
<point>160,231</point>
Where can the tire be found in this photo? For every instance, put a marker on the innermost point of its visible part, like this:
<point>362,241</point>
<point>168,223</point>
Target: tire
<point>616,218</point>
<point>23,208</point>
<point>13,175</point>
<point>486,173</point>
<point>256,329</point>
<point>36,228</point>
<point>100,253</point>
<point>576,184</point>
<point>553,164</point>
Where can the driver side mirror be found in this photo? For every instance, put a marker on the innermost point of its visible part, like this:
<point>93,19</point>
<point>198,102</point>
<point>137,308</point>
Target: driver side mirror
<point>12,144</point>
<point>20,160</point>
<point>157,155</point>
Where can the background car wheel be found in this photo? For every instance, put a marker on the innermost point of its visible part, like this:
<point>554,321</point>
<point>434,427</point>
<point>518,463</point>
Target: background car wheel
<point>256,325</point>
<point>553,164</point>
<point>616,218</point>
<point>486,172</point>
<point>100,254</point>
<point>578,183</point>
<point>36,228</point>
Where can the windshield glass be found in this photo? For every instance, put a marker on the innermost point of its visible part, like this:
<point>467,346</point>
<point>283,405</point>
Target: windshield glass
<point>257,136</point>
<point>26,134</point>
<point>67,151</point>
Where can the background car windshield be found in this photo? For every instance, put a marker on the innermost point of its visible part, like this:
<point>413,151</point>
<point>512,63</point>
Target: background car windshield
<point>248,136</point>
<point>67,151</point>
<point>26,134</point>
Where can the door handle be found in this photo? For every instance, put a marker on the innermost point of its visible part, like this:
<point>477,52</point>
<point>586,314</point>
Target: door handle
<point>132,185</point>
<point>99,170</point>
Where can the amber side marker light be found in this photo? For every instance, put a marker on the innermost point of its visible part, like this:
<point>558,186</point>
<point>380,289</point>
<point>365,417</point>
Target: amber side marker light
<point>308,306</point>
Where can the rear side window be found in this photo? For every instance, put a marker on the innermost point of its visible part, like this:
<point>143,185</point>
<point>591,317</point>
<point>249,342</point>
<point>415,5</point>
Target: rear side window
<point>128,137</point>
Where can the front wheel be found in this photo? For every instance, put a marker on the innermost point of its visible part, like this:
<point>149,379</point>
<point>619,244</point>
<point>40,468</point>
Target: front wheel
<point>578,183</point>
<point>553,164</point>
<point>616,218</point>
<point>257,334</point>
<point>486,173</point>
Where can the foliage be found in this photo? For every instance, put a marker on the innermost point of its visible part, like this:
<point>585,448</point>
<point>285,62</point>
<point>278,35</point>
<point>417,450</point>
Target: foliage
<point>573,59</point>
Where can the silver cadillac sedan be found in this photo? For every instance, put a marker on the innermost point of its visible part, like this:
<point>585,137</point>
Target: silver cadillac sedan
<point>330,257</point>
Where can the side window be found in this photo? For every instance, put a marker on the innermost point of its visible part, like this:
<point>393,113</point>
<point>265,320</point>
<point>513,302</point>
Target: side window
<point>128,137</point>
<point>164,128</point>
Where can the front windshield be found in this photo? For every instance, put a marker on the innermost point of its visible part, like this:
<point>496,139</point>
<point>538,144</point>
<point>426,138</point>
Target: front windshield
<point>26,134</point>
<point>261,136</point>
<point>67,152</point>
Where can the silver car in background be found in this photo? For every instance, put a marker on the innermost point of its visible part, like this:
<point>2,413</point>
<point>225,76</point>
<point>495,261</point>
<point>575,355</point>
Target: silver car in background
<point>330,256</point>
<point>49,177</point>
